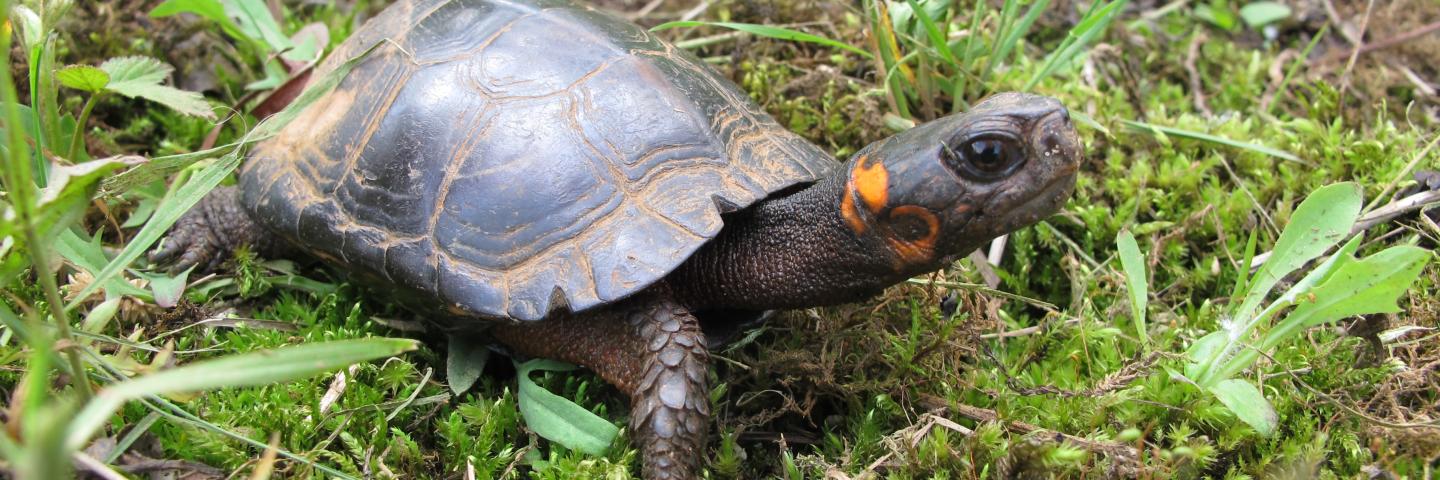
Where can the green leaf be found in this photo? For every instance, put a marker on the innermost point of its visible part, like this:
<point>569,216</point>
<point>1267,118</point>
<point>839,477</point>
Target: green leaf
<point>167,288</point>
<point>1203,353</point>
<point>1322,220</point>
<point>158,168</point>
<point>83,77</point>
<point>770,32</point>
<point>465,360</point>
<point>242,370</point>
<point>90,257</point>
<point>255,20</point>
<point>1248,404</point>
<point>211,10</point>
<point>68,194</point>
<point>903,13</point>
<point>1218,16</point>
<point>560,420</point>
<point>1135,280</point>
<point>1259,14</point>
<point>1361,287</point>
<point>31,31</point>
<point>141,77</point>
<point>100,316</point>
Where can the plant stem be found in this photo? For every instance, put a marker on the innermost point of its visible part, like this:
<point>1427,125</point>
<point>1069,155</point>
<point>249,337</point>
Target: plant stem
<point>40,259</point>
<point>80,126</point>
<point>20,184</point>
<point>34,67</point>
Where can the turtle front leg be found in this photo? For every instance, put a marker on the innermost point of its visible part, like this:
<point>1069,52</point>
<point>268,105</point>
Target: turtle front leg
<point>209,233</point>
<point>652,349</point>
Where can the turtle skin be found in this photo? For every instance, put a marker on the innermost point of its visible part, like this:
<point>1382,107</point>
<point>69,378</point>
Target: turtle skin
<point>478,157</point>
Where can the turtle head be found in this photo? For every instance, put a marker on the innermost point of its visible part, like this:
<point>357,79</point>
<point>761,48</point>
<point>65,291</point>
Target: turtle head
<point>945,187</point>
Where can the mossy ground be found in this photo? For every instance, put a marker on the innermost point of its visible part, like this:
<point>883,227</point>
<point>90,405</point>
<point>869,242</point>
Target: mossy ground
<point>875,389</point>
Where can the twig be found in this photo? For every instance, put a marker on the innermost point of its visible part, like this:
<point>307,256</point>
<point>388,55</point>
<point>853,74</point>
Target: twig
<point>983,266</point>
<point>1197,89</point>
<point>695,12</point>
<point>96,467</point>
<point>1012,333</point>
<point>997,250</point>
<point>1382,44</point>
<point>1409,167</point>
<point>1355,54</point>
<point>638,14</point>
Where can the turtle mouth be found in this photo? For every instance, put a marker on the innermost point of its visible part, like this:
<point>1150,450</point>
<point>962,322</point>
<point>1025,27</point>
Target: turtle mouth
<point>1044,202</point>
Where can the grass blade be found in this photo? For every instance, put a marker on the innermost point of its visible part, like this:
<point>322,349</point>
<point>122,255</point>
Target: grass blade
<point>1160,130</point>
<point>1090,27</point>
<point>247,369</point>
<point>778,33</point>
<point>1011,33</point>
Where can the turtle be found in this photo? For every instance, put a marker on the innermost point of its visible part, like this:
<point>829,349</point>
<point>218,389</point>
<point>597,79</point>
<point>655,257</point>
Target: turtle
<point>565,184</point>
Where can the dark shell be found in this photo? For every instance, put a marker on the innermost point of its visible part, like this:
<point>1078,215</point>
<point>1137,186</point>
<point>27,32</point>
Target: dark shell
<point>509,158</point>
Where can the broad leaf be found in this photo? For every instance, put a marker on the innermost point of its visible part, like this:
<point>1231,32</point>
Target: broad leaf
<point>68,193</point>
<point>1248,404</point>
<point>255,20</point>
<point>98,317</point>
<point>242,370</point>
<point>211,10</point>
<point>142,77</point>
<point>90,257</point>
<point>1135,279</point>
<point>1321,221</point>
<point>83,77</point>
<point>1359,287</point>
<point>166,288</point>
<point>1259,14</point>
<point>560,420</point>
<point>465,360</point>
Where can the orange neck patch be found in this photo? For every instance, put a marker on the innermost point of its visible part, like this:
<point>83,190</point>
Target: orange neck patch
<point>872,182</point>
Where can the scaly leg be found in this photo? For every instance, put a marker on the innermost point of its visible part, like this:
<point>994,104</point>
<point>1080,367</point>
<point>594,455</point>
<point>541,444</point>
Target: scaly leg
<point>209,233</point>
<point>652,349</point>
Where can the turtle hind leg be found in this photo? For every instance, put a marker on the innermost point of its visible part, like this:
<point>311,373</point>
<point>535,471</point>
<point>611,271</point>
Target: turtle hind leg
<point>209,233</point>
<point>652,349</point>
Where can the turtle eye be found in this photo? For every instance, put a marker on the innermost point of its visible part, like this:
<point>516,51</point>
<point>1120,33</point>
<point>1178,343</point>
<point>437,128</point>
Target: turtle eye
<point>987,158</point>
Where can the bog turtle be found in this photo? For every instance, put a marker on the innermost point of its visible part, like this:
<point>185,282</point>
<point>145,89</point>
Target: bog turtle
<point>570,186</point>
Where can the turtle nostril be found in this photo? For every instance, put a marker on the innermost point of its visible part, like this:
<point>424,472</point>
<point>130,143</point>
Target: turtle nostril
<point>1050,144</point>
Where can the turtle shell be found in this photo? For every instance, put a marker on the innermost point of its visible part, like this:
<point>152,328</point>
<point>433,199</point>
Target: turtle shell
<point>507,159</point>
